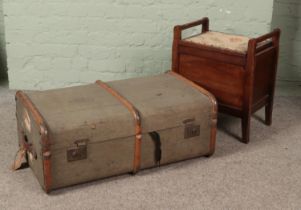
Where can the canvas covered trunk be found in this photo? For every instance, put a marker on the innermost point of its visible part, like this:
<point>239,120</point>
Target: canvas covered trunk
<point>79,134</point>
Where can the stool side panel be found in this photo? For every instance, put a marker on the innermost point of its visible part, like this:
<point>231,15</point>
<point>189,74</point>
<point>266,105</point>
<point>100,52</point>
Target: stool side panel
<point>223,80</point>
<point>263,74</point>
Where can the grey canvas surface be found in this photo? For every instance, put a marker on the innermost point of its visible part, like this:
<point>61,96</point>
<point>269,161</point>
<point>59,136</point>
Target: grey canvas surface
<point>262,175</point>
<point>92,114</point>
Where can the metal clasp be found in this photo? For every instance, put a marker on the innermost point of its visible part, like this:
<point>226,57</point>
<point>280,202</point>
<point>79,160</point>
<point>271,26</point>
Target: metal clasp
<point>78,151</point>
<point>191,129</point>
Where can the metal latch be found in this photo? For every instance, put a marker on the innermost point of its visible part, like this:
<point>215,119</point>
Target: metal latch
<point>191,130</point>
<point>78,151</point>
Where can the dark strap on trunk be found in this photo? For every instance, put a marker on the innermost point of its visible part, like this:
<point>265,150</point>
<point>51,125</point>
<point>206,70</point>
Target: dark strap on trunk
<point>157,141</point>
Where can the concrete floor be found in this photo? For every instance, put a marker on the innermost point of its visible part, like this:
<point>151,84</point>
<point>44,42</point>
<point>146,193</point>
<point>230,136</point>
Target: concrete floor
<point>288,88</point>
<point>266,174</point>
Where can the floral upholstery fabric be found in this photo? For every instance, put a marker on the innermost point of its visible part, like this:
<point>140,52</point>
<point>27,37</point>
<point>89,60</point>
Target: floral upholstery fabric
<point>222,40</point>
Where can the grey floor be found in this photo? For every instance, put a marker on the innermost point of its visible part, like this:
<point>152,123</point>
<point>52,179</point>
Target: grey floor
<point>266,174</point>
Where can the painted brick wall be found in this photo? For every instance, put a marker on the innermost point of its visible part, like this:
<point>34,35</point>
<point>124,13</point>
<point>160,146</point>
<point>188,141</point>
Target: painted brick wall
<point>287,16</point>
<point>3,66</point>
<point>60,43</point>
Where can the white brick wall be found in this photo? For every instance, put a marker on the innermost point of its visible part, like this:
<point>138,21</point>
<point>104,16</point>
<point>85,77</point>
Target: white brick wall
<point>58,43</point>
<point>287,16</point>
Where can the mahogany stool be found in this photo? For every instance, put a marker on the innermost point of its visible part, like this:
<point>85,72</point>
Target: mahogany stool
<point>238,70</point>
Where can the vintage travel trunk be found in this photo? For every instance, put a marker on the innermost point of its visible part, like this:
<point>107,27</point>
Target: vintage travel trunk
<point>79,134</point>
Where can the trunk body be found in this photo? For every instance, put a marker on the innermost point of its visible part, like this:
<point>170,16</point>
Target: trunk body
<point>91,135</point>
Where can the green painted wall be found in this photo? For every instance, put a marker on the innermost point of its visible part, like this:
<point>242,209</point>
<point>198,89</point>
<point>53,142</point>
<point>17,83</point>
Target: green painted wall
<point>287,16</point>
<point>69,42</point>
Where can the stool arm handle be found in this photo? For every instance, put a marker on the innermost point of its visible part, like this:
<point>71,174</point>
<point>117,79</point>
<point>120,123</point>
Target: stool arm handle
<point>179,28</point>
<point>274,35</point>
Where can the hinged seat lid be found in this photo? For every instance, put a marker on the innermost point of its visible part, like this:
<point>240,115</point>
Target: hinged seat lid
<point>220,40</point>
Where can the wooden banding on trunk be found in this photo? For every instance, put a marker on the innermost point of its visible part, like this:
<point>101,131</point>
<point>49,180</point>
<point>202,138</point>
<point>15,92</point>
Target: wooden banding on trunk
<point>45,141</point>
<point>92,131</point>
<point>214,109</point>
<point>137,118</point>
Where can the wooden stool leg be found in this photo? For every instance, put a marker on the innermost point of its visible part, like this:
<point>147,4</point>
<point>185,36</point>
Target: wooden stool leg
<point>268,113</point>
<point>245,125</point>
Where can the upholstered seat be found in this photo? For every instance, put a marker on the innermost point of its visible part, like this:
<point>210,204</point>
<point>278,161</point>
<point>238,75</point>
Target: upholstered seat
<point>222,40</point>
